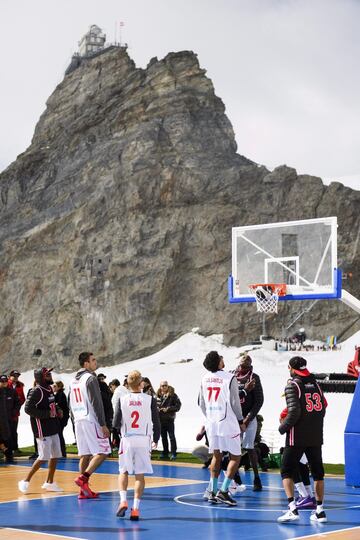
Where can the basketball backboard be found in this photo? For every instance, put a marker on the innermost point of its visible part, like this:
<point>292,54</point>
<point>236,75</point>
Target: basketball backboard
<point>301,254</point>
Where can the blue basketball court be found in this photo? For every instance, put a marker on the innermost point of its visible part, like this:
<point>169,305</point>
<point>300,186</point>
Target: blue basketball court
<point>175,510</point>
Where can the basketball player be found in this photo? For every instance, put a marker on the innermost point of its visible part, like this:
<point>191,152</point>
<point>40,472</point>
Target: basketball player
<point>87,410</point>
<point>136,416</point>
<point>44,417</point>
<point>303,426</point>
<point>251,399</point>
<point>220,403</point>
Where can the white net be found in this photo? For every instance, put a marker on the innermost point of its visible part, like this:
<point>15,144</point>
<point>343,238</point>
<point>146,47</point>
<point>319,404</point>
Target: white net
<point>267,297</point>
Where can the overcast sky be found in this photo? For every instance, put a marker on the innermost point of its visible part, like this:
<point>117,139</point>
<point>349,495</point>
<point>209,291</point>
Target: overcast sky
<point>286,70</point>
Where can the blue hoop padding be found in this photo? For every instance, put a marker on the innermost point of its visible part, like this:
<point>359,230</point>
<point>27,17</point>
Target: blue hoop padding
<point>306,296</point>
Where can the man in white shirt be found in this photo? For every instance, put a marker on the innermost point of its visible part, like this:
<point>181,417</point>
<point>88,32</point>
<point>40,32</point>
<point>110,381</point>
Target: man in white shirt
<point>137,417</point>
<point>219,401</point>
<point>87,411</point>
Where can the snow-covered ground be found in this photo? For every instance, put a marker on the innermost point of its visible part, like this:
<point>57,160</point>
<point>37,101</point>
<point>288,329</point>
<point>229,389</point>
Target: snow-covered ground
<point>271,366</point>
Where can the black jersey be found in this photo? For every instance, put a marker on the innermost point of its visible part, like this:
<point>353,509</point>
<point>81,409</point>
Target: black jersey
<point>40,405</point>
<point>306,410</point>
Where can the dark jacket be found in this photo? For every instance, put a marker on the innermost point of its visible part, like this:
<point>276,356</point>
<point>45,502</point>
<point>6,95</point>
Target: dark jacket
<point>61,401</point>
<point>19,389</point>
<point>106,396</point>
<point>169,401</point>
<point>4,423</point>
<point>306,405</point>
<point>12,403</point>
<point>251,402</point>
<point>40,406</point>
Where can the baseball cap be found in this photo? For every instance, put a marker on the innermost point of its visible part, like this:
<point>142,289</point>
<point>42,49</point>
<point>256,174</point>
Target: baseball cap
<point>101,376</point>
<point>3,378</point>
<point>15,373</point>
<point>298,364</point>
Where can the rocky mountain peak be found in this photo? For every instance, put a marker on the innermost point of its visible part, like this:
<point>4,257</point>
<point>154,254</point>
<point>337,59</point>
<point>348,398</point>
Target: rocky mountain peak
<point>116,222</point>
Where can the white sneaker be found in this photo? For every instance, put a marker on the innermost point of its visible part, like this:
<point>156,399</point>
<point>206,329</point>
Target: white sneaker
<point>23,486</point>
<point>288,516</point>
<point>319,517</point>
<point>236,488</point>
<point>207,493</point>
<point>52,487</point>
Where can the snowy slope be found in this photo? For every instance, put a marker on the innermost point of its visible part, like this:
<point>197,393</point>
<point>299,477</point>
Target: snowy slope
<point>186,376</point>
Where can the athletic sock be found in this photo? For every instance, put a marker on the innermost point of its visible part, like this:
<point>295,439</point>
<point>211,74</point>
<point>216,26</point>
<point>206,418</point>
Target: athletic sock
<point>226,483</point>
<point>301,489</point>
<point>123,496</point>
<point>213,484</point>
<point>309,490</point>
<point>136,504</point>
<point>292,505</point>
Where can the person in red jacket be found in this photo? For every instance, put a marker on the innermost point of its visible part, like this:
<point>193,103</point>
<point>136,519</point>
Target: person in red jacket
<point>354,366</point>
<point>18,386</point>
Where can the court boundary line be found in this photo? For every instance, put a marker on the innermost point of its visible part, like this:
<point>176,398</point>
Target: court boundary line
<point>236,508</point>
<point>37,532</point>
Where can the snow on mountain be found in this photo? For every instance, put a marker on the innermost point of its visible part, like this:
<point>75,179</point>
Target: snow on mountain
<point>171,364</point>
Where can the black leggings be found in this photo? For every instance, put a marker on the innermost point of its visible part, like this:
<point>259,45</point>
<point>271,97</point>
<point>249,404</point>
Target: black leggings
<point>292,456</point>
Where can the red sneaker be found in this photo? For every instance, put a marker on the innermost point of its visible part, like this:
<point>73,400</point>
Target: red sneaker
<point>134,514</point>
<point>83,484</point>
<point>123,506</point>
<point>92,496</point>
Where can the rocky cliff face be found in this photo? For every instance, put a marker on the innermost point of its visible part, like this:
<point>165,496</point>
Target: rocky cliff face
<point>116,222</point>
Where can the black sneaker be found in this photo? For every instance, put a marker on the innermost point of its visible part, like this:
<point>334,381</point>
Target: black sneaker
<point>224,497</point>
<point>212,498</point>
<point>257,484</point>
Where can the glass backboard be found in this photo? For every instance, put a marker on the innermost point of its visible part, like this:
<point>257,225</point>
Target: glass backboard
<point>301,254</point>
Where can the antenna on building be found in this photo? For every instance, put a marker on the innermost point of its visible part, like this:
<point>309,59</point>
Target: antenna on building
<point>121,25</point>
<point>115,33</point>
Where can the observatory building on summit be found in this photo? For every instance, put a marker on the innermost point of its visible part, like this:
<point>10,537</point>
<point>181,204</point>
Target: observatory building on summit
<point>92,41</point>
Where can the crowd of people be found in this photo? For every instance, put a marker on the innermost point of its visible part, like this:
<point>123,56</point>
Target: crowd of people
<point>132,416</point>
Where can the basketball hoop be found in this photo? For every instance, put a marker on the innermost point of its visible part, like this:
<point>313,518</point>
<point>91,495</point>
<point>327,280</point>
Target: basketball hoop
<point>267,295</point>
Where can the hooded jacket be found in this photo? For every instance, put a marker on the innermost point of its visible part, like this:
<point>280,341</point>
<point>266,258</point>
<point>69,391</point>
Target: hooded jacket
<point>306,405</point>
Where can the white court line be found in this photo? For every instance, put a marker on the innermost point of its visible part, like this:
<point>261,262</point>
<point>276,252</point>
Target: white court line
<point>37,532</point>
<point>219,507</point>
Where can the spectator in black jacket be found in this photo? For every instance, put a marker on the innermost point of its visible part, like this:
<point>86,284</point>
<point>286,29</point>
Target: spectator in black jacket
<point>168,404</point>
<point>251,399</point>
<point>41,407</point>
<point>13,405</point>
<point>303,426</point>
<point>106,396</point>
<point>62,402</point>
<point>4,423</point>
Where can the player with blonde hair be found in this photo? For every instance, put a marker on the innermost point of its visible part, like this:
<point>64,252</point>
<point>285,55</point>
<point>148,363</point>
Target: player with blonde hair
<point>137,418</point>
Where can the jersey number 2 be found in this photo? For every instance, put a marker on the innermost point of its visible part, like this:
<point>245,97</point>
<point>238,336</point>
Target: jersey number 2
<point>135,416</point>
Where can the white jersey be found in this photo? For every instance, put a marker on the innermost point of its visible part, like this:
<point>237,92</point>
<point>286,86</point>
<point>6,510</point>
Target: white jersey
<point>136,418</point>
<point>79,401</point>
<point>221,420</point>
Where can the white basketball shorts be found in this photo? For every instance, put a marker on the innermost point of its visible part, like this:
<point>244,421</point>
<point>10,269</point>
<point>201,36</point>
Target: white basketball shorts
<point>49,447</point>
<point>135,455</point>
<point>225,444</point>
<point>90,440</point>
<point>248,437</point>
